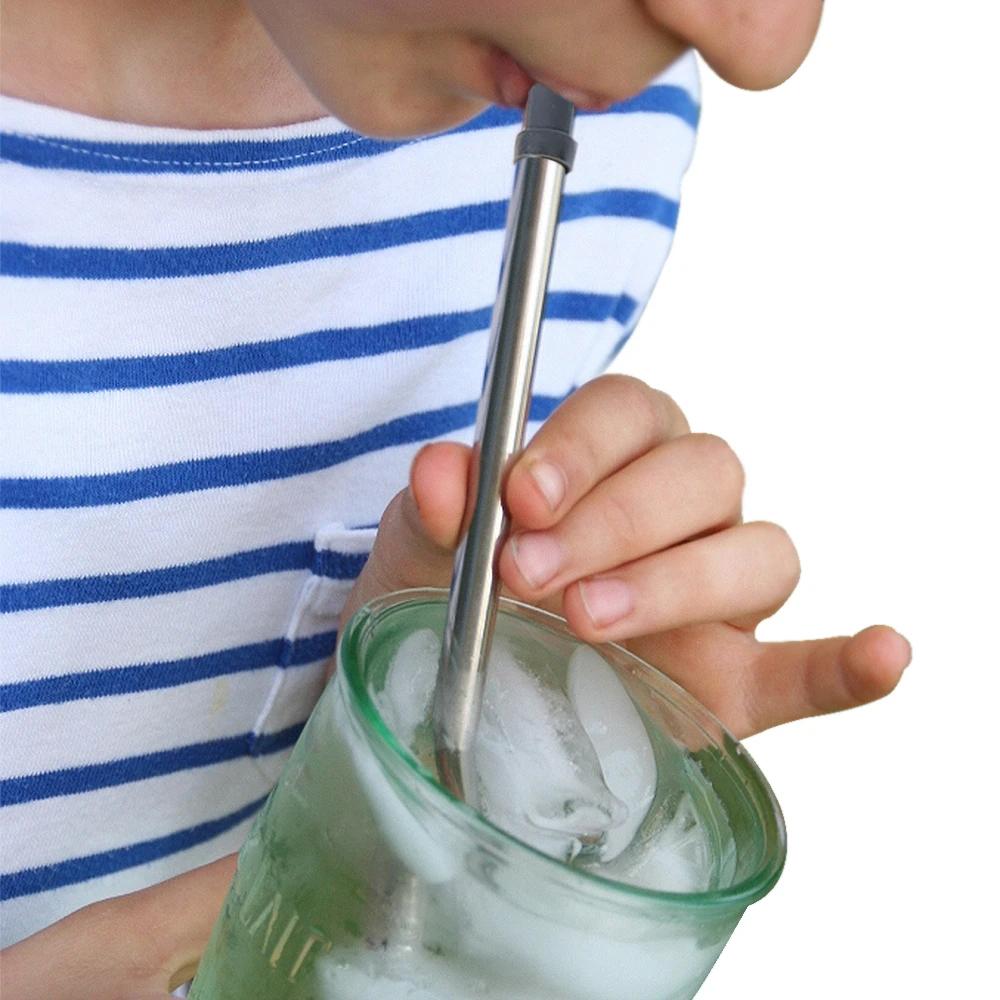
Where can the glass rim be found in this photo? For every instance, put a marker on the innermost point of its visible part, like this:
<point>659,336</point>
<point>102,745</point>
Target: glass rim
<point>739,895</point>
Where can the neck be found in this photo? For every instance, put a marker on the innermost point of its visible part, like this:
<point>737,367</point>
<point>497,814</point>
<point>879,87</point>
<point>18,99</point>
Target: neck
<point>189,63</point>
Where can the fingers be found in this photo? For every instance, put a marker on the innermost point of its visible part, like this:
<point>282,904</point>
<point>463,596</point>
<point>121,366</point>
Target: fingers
<point>439,486</point>
<point>602,427</point>
<point>688,486</point>
<point>753,686</point>
<point>739,575</point>
<point>794,680</point>
<point>420,528</point>
<point>414,546</point>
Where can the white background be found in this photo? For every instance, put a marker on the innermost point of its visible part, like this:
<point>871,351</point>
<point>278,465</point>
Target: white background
<point>831,308</point>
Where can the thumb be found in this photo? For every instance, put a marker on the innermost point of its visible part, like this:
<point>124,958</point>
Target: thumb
<point>420,528</point>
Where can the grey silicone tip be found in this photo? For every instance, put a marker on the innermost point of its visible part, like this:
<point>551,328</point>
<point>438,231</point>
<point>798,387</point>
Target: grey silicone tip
<point>548,127</point>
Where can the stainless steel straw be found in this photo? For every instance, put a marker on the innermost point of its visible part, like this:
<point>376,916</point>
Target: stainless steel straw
<point>544,154</point>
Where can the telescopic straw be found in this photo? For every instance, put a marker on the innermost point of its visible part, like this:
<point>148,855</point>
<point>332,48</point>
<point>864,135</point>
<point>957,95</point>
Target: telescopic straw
<point>544,154</point>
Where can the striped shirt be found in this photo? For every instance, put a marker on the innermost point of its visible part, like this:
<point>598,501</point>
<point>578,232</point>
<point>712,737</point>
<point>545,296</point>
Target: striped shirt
<point>221,351</point>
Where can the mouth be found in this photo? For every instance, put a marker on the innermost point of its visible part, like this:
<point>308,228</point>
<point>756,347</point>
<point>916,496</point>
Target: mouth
<point>511,81</point>
<point>514,81</point>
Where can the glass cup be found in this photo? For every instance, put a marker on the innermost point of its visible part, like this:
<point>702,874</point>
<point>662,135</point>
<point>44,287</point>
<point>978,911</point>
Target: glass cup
<point>364,879</point>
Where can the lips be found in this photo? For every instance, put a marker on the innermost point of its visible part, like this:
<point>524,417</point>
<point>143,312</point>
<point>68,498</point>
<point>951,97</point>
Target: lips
<point>511,80</point>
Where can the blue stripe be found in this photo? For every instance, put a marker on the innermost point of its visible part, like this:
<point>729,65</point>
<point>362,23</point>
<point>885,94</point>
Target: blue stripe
<point>630,322</point>
<point>170,579</point>
<point>239,470</point>
<point>29,881</point>
<point>105,682</point>
<point>150,582</point>
<point>339,565</point>
<point>90,777</point>
<point>55,152</point>
<point>27,260</point>
<point>304,349</point>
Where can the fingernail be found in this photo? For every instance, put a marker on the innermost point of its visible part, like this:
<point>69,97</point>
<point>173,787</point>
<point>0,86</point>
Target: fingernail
<point>606,601</point>
<point>550,481</point>
<point>537,555</point>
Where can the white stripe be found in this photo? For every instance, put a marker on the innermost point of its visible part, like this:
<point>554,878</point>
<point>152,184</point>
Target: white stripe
<point>100,319</point>
<point>52,544</point>
<point>94,433</point>
<point>110,431</point>
<point>25,915</point>
<point>52,641</point>
<point>156,808</point>
<point>640,150</point>
<point>98,730</point>
<point>107,319</point>
<point>107,431</point>
<point>183,209</point>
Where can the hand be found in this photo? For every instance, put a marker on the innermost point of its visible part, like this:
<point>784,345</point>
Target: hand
<point>397,68</point>
<point>630,526</point>
<point>134,947</point>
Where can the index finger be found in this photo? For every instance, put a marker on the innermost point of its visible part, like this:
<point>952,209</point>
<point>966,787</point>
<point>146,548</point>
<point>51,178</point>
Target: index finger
<point>601,428</point>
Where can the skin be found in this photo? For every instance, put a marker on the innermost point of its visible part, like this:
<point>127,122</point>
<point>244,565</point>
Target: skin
<point>389,68</point>
<point>615,498</point>
<point>642,518</point>
<point>399,67</point>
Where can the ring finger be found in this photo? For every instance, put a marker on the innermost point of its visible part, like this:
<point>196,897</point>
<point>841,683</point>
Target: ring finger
<point>740,575</point>
<point>685,487</point>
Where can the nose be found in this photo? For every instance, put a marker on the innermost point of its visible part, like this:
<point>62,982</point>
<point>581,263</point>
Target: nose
<point>754,44</point>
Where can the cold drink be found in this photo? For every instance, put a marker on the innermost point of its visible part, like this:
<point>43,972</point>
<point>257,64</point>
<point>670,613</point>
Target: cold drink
<point>622,832</point>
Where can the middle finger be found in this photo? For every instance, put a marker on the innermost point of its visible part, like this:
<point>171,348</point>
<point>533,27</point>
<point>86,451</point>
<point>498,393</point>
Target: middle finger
<point>685,487</point>
<point>601,428</point>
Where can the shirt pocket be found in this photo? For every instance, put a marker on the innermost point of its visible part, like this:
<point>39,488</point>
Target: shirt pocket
<point>308,644</point>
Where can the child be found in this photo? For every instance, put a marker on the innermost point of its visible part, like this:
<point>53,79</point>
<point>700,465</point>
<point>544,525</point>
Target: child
<point>234,327</point>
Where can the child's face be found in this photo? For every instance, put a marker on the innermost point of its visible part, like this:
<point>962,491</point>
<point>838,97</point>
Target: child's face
<point>400,67</point>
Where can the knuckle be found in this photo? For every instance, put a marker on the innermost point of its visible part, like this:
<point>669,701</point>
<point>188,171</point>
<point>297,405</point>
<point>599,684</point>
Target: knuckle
<point>390,565</point>
<point>617,383</point>
<point>784,557</point>
<point>620,522</point>
<point>392,515</point>
<point>649,409</point>
<point>723,463</point>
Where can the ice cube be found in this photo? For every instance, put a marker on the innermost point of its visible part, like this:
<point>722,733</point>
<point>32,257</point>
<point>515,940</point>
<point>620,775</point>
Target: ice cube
<point>672,856</point>
<point>619,738</point>
<point>422,851</point>
<point>405,699</point>
<point>539,777</point>
<point>377,976</point>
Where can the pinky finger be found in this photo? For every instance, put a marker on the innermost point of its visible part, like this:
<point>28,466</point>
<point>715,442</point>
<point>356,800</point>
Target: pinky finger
<point>794,680</point>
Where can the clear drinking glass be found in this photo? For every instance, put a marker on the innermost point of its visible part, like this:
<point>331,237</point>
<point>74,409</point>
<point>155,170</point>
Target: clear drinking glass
<point>364,879</point>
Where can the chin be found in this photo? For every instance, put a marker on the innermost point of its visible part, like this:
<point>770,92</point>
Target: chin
<point>408,117</point>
